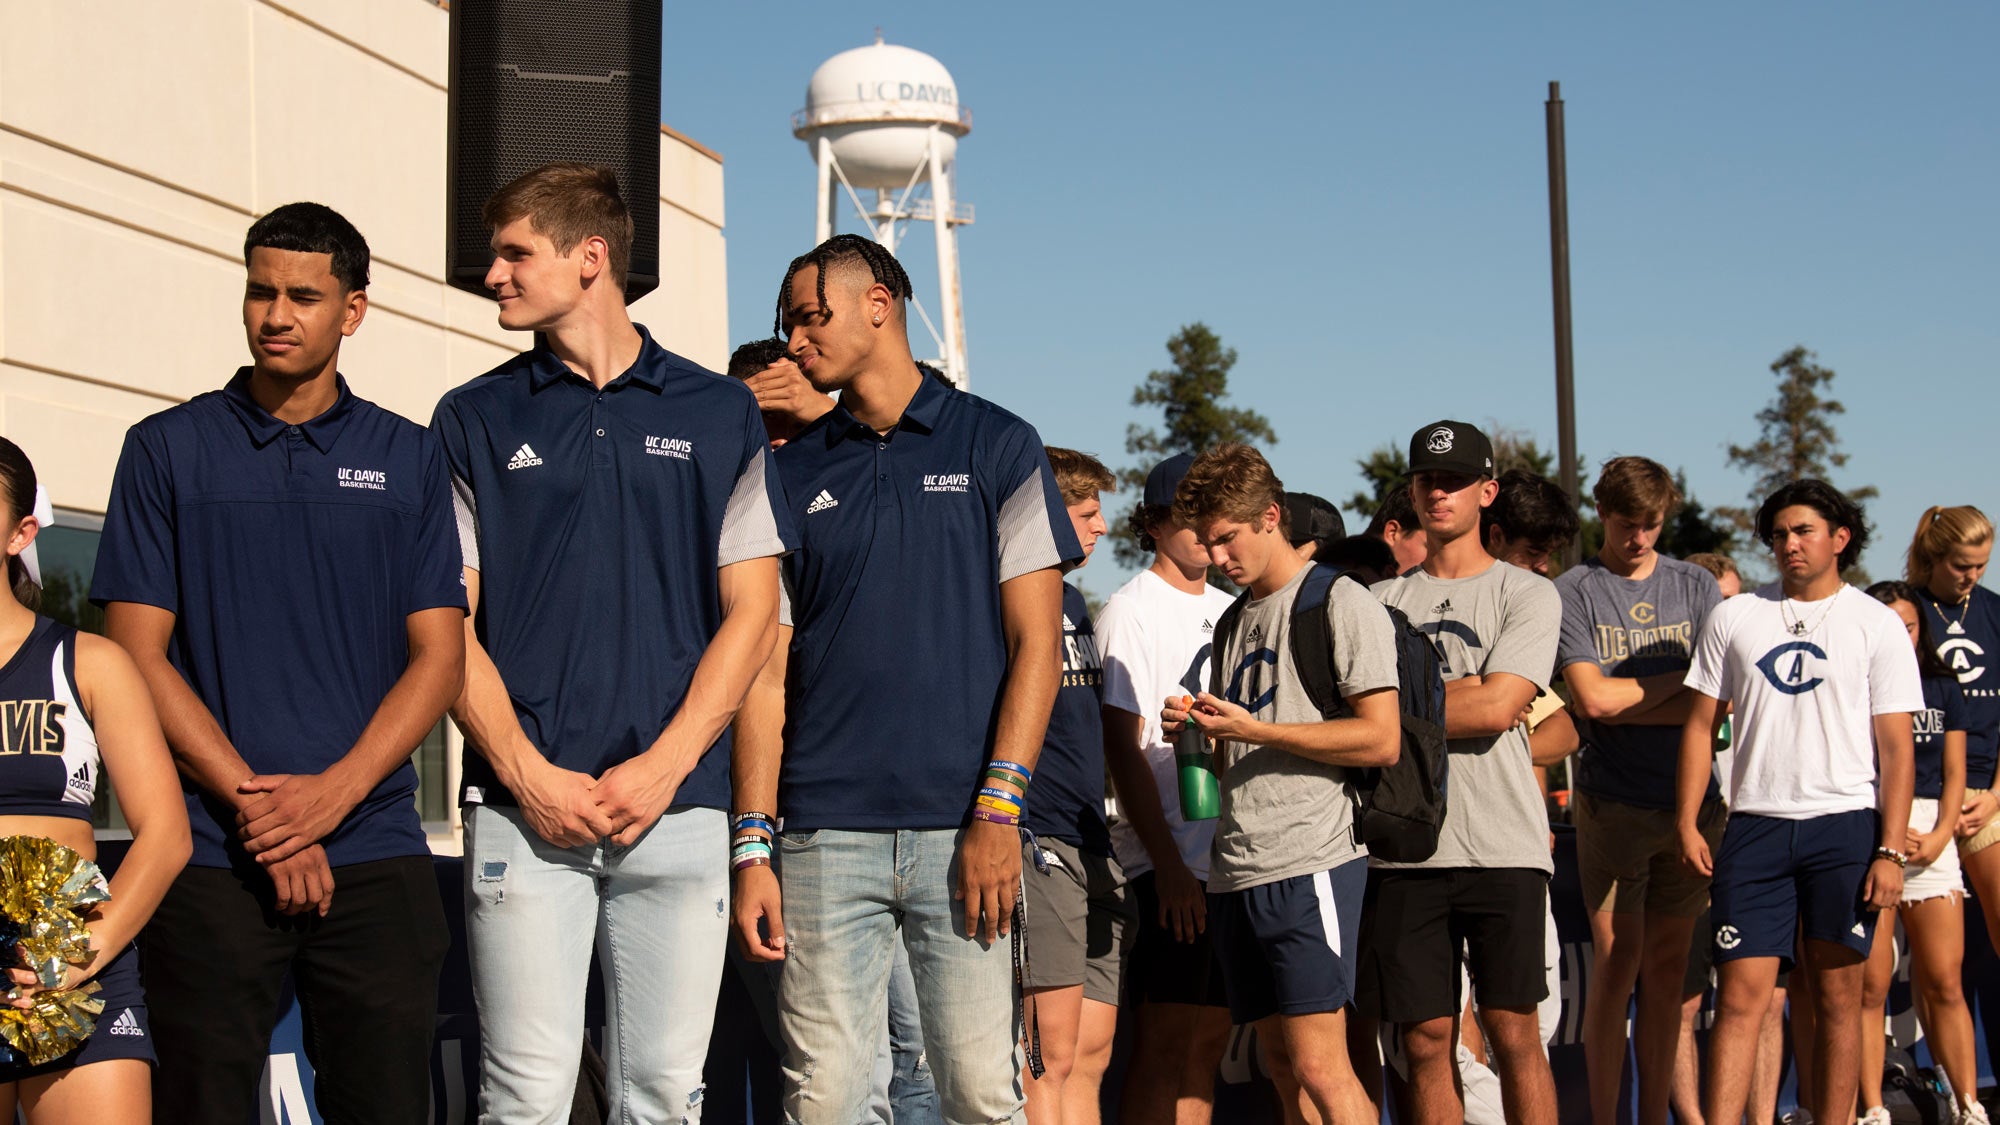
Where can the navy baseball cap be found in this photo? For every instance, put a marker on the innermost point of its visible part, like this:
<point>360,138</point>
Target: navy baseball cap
<point>1165,478</point>
<point>1451,447</point>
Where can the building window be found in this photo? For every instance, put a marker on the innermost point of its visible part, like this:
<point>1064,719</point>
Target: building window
<point>68,553</point>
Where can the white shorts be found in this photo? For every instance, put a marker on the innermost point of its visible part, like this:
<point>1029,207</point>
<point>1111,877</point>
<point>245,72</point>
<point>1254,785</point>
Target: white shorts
<point>1935,880</point>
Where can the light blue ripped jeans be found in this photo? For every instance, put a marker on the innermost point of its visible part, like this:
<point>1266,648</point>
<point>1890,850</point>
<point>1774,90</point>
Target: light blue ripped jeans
<point>657,913</point>
<point>844,894</point>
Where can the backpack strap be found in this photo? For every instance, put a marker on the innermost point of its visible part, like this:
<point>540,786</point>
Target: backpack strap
<point>1225,631</point>
<point>1312,641</point>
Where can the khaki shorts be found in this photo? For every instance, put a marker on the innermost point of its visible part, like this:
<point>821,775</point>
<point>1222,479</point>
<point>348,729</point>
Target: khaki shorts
<point>1629,859</point>
<point>1987,837</point>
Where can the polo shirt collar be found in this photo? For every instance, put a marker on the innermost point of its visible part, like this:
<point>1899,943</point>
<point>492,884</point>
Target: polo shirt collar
<point>649,370</point>
<point>920,415</point>
<point>264,427</point>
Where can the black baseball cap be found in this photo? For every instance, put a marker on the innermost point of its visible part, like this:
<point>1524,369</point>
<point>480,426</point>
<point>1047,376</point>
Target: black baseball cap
<point>1313,519</point>
<point>1165,478</point>
<point>1451,447</point>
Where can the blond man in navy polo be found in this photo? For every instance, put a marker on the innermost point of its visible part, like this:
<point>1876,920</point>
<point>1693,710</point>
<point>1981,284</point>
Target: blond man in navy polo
<point>621,530</point>
<point>911,700</point>
<point>279,559</point>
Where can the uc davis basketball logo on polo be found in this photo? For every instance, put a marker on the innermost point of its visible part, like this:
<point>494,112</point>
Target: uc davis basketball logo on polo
<point>1794,667</point>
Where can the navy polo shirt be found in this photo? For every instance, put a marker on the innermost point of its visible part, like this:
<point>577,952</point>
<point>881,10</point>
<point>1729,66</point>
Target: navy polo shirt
<point>1066,800</point>
<point>897,652</point>
<point>596,520</point>
<point>290,557</point>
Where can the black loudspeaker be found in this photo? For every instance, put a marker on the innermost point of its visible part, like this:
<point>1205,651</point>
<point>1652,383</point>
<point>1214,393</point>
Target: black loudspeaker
<point>534,81</point>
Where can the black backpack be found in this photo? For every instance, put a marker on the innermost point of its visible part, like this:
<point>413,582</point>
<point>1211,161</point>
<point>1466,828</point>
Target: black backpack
<point>1400,808</point>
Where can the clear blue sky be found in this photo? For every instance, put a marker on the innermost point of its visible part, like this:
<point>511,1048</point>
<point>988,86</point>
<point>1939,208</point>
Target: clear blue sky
<point>1354,197</point>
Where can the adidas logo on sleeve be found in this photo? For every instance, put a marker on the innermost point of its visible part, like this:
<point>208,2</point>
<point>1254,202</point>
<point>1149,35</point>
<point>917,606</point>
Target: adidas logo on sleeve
<point>125,1024</point>
<point>821,502</point>
<point>524,458</point>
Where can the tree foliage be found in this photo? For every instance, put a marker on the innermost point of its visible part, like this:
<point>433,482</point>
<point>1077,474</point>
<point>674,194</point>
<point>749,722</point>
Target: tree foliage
<point>1796,436</point>
<point>1796,440</point>
<point>1387,466</point>
<point>1691,530</point>
<point>1190,394</point>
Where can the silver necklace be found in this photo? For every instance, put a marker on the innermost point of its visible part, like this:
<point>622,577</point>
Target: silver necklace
<point>1796,625</point>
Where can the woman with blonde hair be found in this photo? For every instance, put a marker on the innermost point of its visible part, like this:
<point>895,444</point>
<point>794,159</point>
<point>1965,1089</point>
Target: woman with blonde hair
<point>1947,558</point>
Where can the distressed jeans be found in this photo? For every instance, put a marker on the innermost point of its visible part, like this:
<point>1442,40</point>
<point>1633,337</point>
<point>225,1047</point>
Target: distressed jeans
<point>903,1093</point>
<point>849,897</point>
<point>656,913</point>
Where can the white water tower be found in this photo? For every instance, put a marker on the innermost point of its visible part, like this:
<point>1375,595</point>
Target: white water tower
<point>886,120</point>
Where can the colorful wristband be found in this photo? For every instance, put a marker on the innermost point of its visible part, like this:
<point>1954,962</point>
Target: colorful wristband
<point>748,862</point>
<point>1007,777</point>
<point>993,817</point>
<point>1000,795</point>
<point>1001,807</point>
<point>1015,766</point>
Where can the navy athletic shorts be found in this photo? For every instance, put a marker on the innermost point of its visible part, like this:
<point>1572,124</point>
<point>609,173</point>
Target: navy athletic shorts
<point>122,1030</point>
<point>1775,879</point>
<point>1289,947</point>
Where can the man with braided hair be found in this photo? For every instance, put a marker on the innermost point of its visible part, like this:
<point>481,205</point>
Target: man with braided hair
<point>897,728</point>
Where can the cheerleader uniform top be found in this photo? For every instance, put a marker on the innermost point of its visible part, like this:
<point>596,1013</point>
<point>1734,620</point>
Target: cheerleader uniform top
<point>48,751</point>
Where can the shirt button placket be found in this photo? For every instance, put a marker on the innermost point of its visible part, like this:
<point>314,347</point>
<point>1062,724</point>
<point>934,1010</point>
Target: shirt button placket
<point>884,495</point>
<point>296,460</point>
<point>600,445</point>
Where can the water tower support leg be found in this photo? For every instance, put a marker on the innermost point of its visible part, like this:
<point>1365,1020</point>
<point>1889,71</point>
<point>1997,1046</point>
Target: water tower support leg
<point>953,312</point>
<point>823,224</point>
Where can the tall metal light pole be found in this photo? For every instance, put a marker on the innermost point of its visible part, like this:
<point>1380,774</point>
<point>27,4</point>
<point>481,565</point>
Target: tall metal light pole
<point>1559,278</point>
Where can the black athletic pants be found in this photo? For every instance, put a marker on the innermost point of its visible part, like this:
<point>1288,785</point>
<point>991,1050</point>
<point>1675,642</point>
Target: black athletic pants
<point>214,958</point>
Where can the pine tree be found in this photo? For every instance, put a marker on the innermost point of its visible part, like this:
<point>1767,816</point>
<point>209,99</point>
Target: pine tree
<point>1190,395</point>
<point>1796,440</point>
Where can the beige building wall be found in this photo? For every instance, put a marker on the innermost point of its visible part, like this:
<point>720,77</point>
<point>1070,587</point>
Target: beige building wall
<point>138,140</point>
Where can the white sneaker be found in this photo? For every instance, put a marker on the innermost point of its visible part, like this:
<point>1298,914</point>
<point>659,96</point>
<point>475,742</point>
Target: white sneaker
<point>1971,1113</point>
<point>1876,1116</point>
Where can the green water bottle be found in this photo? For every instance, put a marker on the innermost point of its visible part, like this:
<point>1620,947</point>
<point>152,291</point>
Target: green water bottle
<point>1723,734</point>
<point>1201,794</point>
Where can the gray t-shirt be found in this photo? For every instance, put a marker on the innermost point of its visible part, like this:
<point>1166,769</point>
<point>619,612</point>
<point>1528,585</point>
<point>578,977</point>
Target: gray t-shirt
<point>1282,814</point>
<point>1633,629</point>
<point>1503,619</point>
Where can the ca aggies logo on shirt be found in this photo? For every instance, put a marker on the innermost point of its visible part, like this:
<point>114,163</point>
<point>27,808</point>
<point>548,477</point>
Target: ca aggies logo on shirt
<point>1795,667</point>
<point>1962,655</point>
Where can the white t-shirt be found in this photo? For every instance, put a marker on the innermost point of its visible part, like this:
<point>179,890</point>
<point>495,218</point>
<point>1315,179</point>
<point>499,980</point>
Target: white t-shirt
<point>1154,641</point>
<point>1805,704</point>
